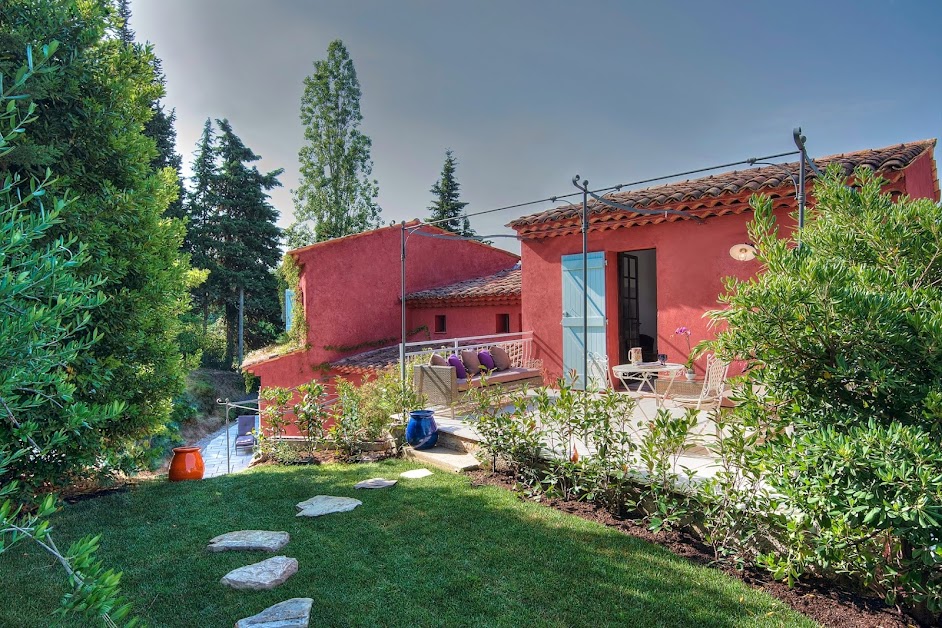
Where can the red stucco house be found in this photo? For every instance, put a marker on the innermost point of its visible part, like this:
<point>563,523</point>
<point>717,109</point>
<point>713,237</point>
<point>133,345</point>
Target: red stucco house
<point>351,294</point>
<point>650,274</point>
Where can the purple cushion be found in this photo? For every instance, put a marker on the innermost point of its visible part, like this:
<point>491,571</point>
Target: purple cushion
<point>486,360</point>
<point>460,371</point>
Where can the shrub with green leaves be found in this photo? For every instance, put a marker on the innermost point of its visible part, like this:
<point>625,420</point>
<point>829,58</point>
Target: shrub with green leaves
<point>91,135</point>
<point>46,307</point>
<point>842,335</point>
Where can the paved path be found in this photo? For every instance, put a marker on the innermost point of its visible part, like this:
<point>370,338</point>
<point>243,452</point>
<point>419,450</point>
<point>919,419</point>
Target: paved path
<point>213,449</point>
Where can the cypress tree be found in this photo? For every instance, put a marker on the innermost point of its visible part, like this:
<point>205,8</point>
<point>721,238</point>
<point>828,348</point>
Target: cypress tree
<point>246,243</point>
<point>200,210</point>
<point>336,196</point>
<point>447,206</point>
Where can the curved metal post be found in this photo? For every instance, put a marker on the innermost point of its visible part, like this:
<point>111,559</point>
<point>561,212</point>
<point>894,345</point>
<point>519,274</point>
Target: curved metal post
<point>800,143</point>
<point>585,278</point>
<point>402,313</point>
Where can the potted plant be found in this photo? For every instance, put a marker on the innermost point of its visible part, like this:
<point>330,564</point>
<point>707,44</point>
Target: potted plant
<point>684,331</point>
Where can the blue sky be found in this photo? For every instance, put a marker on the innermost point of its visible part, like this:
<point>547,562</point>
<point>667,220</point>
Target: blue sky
<point>527,94</point>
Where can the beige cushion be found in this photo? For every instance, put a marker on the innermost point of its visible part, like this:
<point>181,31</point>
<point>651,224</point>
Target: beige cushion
<point>501,359</point>
<point>471,362</point>
<point>438,360</point>
<point>514,374</point>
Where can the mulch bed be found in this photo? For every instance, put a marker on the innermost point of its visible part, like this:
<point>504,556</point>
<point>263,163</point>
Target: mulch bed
<point>818,600</point>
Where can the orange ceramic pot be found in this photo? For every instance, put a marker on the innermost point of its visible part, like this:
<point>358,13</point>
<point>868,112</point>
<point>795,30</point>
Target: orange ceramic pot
<point>187,464</point>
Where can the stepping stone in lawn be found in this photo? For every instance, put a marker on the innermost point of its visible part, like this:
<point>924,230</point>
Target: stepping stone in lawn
<point>375,483</point>
<point>267,574</point>
<point>293,613</point>
<point>249,540</point>
<point>326,504</point>
<point>415,474</point>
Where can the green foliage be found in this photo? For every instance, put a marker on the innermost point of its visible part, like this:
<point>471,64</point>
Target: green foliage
<point>335,196</point>
<point>200,208</point>
<point>311,414</point>
<point>252,382</point>
<point>668,483</point>
<point>842,336</point>
<point>734,502</point>
<point>245,243</point>
<point>290,275</point>
<point>275,402</point>
<point>160,126</point>
<point>94,109</point>
<point>847,327</point>
<point>46,314</point>
<point>47,324</point>
<point>446,206</point>
<point>233,237</point>
<point>562,442</point>
<point>364,413</point>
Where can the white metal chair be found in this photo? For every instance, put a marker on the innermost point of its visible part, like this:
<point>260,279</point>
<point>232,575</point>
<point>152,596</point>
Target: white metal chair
<point>714,385</point>
<point>600,375</point>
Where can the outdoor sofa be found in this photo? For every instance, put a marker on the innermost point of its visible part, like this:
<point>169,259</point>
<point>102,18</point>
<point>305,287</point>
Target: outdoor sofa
<point>439,380</point>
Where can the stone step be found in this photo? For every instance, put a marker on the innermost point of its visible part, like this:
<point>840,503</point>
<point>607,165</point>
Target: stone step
<point>457,435</point>
<point>443,458</point>
<point>457,442</point>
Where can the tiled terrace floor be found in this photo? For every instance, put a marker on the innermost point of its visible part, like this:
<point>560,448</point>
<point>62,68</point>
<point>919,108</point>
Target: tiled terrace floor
<point>213,449</point>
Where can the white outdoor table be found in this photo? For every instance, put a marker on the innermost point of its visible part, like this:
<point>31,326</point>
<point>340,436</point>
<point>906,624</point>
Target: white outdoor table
<point>642,372</point>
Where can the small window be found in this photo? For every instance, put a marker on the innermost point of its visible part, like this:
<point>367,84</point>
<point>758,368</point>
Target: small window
<point>440,324</point>
<point>503,323</point>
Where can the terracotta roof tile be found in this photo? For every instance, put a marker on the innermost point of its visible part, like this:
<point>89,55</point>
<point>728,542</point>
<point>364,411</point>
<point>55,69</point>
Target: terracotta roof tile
<point>696,194</point>
<point>502,287</point>
<point>368,361</point>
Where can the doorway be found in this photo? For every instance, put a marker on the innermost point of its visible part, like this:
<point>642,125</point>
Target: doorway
<point>637,304</point>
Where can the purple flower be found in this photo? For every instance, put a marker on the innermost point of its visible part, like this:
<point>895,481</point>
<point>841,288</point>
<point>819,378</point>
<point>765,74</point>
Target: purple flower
<point>682,331</point>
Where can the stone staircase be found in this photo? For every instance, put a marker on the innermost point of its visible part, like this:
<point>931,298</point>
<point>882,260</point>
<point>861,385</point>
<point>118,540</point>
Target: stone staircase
<point>455,449</point>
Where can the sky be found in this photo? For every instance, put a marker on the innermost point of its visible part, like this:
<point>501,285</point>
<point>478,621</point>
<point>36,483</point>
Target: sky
<point>529,93</point>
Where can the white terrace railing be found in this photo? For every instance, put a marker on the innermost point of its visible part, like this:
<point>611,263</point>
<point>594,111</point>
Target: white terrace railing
<point>518,345</point>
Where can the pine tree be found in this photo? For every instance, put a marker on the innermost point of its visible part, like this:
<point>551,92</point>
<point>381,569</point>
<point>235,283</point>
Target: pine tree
<point>200,210</point>
<point>446,206</point>
<point>94,109</point>
<point>336,196</point>
<point>160,128</point>
<point>124,15</point>
<point>246,249</point>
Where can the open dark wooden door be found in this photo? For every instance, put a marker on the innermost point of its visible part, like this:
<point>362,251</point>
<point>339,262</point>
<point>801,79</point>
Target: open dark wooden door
<point>629,311</point>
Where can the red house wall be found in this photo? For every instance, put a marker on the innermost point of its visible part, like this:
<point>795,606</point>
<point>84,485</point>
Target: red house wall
<point>478,320</point>
<point>691,259</point>
<point>351,293</point>
<point>921,178</point>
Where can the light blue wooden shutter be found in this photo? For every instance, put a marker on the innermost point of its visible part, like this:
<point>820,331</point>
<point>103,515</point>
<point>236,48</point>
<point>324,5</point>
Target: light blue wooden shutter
<point>572,323</point>
<point>289,308</point>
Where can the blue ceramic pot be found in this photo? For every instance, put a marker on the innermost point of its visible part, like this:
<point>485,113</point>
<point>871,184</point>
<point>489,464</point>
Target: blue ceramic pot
<point>421,431</point>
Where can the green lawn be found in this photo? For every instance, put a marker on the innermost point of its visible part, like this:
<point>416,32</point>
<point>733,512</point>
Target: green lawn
<point>428,552</point>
